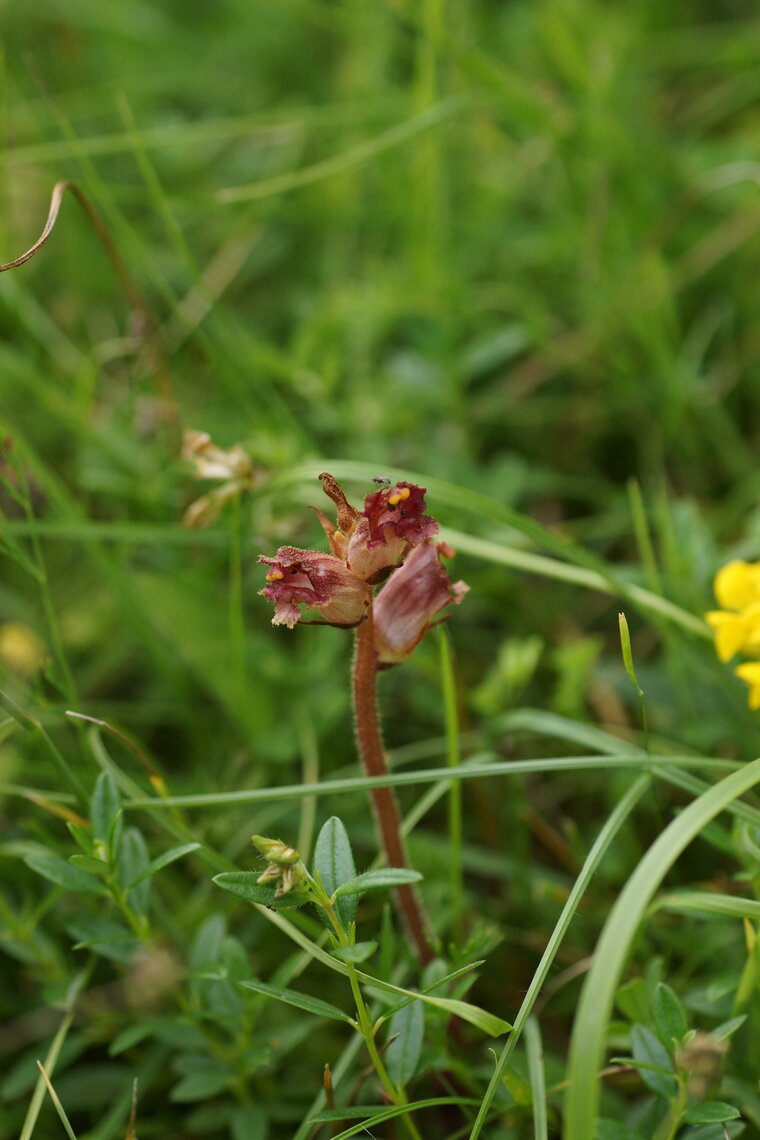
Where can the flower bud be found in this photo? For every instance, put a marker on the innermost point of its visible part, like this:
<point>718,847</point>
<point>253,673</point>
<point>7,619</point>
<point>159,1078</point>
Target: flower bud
<point>284,865</point>
<point>411,598</point>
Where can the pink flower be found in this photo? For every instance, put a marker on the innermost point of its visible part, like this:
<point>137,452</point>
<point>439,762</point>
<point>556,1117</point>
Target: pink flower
<point>376,539</point>
<point>414,594</point>
<point>390,536</point>
<point>320,581</point>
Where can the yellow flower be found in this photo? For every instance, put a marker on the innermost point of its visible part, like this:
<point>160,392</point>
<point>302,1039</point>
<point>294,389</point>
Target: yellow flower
<point>737,585</point>
<point>737,624</point>
<point>750,674</point>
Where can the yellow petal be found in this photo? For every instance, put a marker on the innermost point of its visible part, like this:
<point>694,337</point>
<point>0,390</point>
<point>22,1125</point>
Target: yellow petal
<point>730,633</point>
<point>737,585</point>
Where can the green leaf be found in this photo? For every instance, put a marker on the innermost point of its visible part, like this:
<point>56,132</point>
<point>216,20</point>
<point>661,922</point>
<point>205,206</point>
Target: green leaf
<point>297,999</point>
<point>373,1117</point>
<point>244,885</point>
<point>648,1051</point>
<point>487,1022</point>
<point>347,1112</point>
<point>437,983</point>
<point>163,861</point>
<point>669,1016</point>
<point>61,873</point>
<point>359,952</point>
<point>89,865</point>
<point>132,863</point>
<point>632,999</point>
<point>378,880</point>
<point>249,1123</point>
<point>207,943</point>
<point>199,1086</point>
<point>708,902</point>
<point>82,837</point>
<point>406,1031</point>
<point>334,863</point>
<point>517,1087</point>
<point>104,805</point>
<point>130,1036</point>
<point>611,1130</point>
<point>711,1112</point>
<point>537,1076</point>
<point>105,936</point>
<point>728,1028</point>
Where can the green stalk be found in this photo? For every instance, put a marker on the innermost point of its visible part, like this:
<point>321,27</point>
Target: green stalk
<point>366,1029</point>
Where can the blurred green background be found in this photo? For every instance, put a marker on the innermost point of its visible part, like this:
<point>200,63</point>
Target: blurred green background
<point>510,246</point>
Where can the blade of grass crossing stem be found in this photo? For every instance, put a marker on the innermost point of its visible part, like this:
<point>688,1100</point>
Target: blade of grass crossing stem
<point>587,1044</point>
<point>593,859</point>
<point>453,758</point>
<point>476,768</point>
<point>56,1102</point>
<point>537,1078</point>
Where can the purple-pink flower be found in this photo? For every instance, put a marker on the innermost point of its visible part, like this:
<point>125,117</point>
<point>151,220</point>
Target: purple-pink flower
<point>377,538</point>
<point>411,598</point>
<point>388,540</point>
<point>320,581</point>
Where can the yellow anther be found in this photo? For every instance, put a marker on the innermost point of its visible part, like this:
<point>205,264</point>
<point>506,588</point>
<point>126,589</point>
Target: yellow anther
<point>399,496</point>
<point>275,575</point>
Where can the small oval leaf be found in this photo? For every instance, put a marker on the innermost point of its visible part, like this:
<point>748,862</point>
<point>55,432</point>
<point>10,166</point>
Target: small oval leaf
<point>104,805</point>
<point>648,1050</point>
<point>406,1030</point>
<point>244,885</point>
<point>334,862</point>
<point>164,860</point>
<point>711,1112</point>
<point>297,999</point>
<point>89,865</point>
<point>378,880</point>
<point>61,873</point>
<point>669,1016</point>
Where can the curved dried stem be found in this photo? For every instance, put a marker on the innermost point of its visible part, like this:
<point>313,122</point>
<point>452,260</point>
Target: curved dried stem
<point>155,356</point>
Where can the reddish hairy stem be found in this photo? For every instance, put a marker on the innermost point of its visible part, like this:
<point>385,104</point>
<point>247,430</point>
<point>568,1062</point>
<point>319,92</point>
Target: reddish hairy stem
<point>384,801</point>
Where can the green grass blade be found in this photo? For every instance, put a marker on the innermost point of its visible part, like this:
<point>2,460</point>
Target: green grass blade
<point>360,1129</point>
<point>537,1078</point>
<point>706,902</point>
<point>470,771</point>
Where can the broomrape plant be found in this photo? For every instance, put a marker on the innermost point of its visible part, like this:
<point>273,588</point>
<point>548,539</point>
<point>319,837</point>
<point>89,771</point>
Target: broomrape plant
<point>390,541</point>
